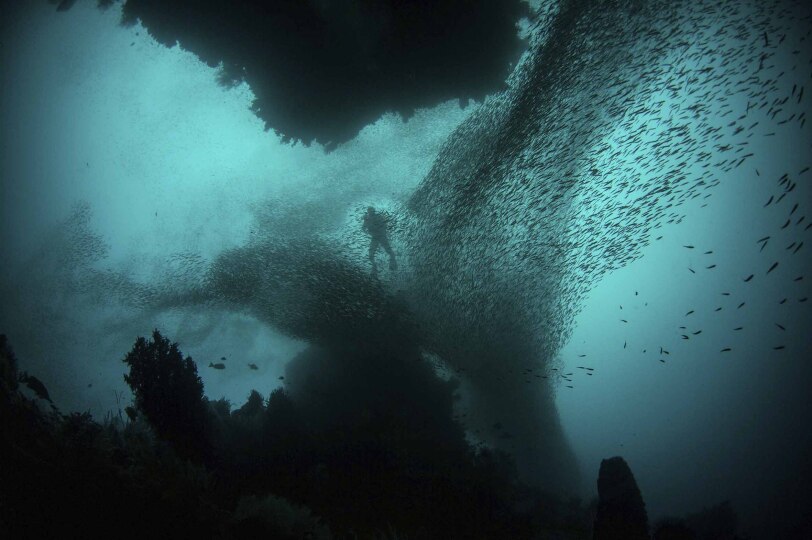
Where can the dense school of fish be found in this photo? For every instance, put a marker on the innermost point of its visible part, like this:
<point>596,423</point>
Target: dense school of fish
<point>618,114</point>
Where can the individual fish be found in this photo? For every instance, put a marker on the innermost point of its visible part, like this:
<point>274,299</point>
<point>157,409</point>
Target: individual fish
<point>799,278</point>
<point>726,349</point>
<point>222,358</point>
<point>218,365</point>
<point>725,294</point>
<point>708,252</point>
<point>794,208</point>
<point>782,301</point>
<point>281,378</point>
<point>738,328</point>
<point>689,313</point>
<point>689,247</point>
<point>253,366</point>
<point>748,278</point>
<point>773,267</point>
<point>692,270</point>
<point>710,267</point>
<point>35,385</point>
<point>624,320</point>
<point>740,305</point>
<point>769,201</point>
<point>697,332</point>
<point>779,326</point>
<point>778,348</point>
<point>718,309</point>
<point>785,225</point>
<point>797,248</point>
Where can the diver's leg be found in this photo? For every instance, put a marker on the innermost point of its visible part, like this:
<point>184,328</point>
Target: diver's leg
<point>373,247</point>
<point>393,264</point>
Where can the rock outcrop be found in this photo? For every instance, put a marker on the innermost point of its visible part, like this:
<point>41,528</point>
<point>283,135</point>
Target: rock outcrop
<point>621,511</point>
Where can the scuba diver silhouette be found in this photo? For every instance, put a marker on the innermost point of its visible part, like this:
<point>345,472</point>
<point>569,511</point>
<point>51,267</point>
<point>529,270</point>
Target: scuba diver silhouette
<point>375,225</point>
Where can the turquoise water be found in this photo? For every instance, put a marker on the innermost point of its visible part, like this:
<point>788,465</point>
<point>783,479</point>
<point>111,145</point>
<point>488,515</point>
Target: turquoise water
<point>545,228</point>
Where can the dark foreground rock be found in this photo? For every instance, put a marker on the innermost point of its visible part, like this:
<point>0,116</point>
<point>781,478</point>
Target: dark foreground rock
<point>358,444</point>
<point>621,510</point>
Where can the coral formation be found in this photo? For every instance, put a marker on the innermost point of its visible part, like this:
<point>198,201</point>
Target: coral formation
<point>169,393</point>
<point>330,455</point>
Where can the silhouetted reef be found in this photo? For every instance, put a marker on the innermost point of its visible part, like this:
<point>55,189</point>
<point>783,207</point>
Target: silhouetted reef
<point>621,510</point>
<point>323,70</point>
<point>348,449</point>
<point>718,522</point>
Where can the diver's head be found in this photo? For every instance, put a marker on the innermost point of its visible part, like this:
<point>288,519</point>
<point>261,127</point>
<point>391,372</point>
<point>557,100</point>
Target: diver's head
<point>370,210</point>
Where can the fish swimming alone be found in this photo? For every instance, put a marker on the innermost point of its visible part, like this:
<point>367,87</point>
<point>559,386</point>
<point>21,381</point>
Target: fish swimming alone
<point>35,385</point>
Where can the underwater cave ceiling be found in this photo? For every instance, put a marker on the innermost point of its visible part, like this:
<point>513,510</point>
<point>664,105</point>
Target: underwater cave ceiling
<point>322,70</point>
